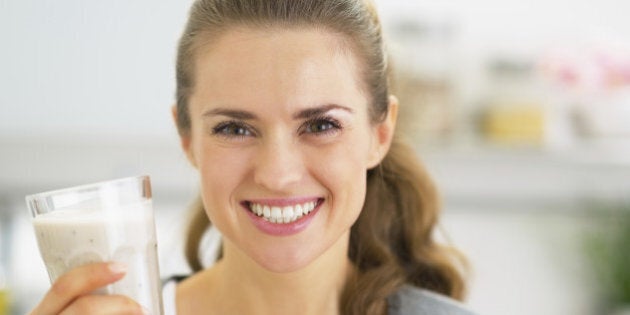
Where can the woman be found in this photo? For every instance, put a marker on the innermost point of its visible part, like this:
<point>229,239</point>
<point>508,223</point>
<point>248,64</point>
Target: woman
<point>283,107</point>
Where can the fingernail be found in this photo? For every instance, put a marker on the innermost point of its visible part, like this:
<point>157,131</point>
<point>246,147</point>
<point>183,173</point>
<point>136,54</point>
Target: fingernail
<point>117,268</point>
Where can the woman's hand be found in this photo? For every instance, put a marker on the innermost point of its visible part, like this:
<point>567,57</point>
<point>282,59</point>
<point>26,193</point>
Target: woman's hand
<point>70,294</point>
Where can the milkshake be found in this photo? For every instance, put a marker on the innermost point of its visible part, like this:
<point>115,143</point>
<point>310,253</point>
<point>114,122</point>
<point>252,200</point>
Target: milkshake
<point>107,225</point>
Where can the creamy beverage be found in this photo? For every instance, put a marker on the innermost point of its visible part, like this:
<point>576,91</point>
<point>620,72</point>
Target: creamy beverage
<point>103,230</point>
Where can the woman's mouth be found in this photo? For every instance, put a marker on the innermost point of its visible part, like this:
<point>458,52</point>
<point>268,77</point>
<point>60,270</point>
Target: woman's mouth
<point>282,214</point>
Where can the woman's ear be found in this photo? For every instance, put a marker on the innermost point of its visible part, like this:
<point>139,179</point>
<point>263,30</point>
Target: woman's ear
<point>184,139</point>
<point>384,133</point>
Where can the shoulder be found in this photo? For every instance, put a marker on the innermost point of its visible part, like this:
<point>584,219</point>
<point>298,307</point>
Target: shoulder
<point>179,293</point>
<point>189,294</point>
<point>410,300</point>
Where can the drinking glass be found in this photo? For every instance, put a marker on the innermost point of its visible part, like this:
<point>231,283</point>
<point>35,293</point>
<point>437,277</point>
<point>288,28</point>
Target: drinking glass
<point>107,221</point>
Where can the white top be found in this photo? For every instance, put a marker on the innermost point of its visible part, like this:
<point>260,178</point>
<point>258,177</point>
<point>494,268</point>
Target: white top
<point>168,298</point>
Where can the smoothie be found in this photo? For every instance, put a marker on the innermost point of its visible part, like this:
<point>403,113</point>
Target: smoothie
<point>82,234</point>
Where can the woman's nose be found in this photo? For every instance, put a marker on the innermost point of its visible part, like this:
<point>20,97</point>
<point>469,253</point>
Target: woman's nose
<point>279,165</point>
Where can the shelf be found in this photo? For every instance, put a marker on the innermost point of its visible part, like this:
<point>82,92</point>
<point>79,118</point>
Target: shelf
<point>499,177</point>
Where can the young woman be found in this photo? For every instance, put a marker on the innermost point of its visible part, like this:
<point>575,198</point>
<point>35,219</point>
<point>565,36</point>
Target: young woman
<point>284,109</point>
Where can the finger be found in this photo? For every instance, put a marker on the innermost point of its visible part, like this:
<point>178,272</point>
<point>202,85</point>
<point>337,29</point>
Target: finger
<point>104,304</point>
<point>77,282</point>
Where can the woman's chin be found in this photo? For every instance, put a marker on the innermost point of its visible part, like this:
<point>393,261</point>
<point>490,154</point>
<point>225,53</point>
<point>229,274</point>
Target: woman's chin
<point>284,262</point>
<point>295,257</point>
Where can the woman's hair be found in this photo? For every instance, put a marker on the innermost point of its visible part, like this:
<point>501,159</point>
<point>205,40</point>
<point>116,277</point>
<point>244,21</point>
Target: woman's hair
<point>392,241</point>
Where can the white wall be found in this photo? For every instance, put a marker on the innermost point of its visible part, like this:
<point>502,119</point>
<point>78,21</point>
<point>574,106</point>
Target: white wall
<point>102,67</point>
<point>489,25</point>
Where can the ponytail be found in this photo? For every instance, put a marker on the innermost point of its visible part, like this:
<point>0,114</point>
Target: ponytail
<point>392,241</point>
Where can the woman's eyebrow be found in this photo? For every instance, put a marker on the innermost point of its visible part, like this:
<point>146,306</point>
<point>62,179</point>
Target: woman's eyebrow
<point>320,110</point>
<point>303,114</point>
<point>232,113</point>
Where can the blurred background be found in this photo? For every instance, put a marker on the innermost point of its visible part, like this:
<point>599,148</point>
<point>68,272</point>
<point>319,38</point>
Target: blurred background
<point>520,110</point>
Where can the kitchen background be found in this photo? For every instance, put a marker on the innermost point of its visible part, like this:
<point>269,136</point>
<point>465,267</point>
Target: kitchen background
<point>520,110</point>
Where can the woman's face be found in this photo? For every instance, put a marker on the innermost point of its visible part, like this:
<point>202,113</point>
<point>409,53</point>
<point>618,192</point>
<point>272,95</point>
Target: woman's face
<point>281,137</point>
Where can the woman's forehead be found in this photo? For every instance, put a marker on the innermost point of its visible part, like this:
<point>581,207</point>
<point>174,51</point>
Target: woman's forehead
<point>303,66</point>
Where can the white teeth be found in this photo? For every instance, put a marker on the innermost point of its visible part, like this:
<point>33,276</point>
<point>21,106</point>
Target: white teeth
<point>285,214</point>
<point>276,214</point>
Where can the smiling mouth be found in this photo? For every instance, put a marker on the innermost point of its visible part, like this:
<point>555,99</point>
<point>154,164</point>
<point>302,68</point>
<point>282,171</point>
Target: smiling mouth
<point>285,214</point>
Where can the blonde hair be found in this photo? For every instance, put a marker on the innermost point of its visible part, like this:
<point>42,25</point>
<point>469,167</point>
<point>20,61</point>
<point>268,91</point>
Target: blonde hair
<point>392,242</point>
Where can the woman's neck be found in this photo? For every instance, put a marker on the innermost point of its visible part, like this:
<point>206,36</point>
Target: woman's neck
<point>238,285</point>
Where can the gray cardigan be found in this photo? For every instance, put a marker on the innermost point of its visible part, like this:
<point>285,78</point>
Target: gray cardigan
<point>410,300</point>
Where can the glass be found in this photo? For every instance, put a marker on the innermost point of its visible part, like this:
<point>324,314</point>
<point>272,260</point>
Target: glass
<point>107,221</point>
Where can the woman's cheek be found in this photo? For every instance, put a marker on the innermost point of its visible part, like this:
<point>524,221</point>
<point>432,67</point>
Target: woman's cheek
<point>221,171</point>
<point>342,169</point>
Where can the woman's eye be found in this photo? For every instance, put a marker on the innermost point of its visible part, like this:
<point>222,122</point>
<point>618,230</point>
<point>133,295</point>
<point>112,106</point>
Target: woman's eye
<point>231,129</point>
<point>321,126</point>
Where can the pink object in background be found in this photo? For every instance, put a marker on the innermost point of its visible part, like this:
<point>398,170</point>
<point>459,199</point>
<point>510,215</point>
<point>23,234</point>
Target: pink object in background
<point>596,80</point>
